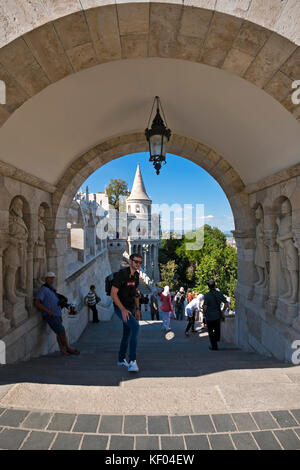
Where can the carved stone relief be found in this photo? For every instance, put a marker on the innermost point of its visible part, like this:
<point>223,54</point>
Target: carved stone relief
<point>289,264</point>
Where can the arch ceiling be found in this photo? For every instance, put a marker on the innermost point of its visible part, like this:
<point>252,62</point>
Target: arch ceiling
<point>227,113</point>
<point>223,80</point>
<point>21,16</point>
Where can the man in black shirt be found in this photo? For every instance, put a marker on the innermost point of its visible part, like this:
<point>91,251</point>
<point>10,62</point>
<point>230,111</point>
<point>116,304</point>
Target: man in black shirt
<point>213,313</point>
<point>127,308</point>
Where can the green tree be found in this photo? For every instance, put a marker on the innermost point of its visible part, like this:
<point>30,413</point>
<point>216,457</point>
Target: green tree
<point>215,260</point>
<point>167,274</point>
<point>116,188</point>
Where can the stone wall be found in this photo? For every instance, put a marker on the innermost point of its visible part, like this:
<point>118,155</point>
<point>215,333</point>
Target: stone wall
<point>258,43</point>
<point>268,301</point>
<point>29,247</point>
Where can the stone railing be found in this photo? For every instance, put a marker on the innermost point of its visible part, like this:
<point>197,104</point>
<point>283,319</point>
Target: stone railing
<point>147,280</point>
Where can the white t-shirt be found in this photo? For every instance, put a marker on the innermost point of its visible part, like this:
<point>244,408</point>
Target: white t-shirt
<point>195,303</point>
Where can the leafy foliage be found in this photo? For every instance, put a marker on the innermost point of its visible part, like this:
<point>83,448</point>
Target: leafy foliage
<point>116,188</point>
<point>215,260</point>
<point>167,274</point>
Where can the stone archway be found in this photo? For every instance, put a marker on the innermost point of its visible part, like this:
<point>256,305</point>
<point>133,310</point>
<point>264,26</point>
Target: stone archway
<point>228,42</point>
<point>214,163</point>
<point>188,148</point>
<point>55,46</point>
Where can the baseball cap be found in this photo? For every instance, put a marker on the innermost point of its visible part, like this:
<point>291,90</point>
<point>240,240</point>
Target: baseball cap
<point>49,274</point>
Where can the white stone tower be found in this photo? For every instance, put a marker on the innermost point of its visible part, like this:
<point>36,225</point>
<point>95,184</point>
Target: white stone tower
<point>138,207</point>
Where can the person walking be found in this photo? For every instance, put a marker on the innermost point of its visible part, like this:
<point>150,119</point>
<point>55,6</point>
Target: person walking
<point>179,303</point>
<point>190,312</point>
<point>189,296</point>
<point>91,300</point>
<point>127,308</point>
<point>154,310</point>
<point>213,313</point>
<point>166,307</point>
<point>47,301</point>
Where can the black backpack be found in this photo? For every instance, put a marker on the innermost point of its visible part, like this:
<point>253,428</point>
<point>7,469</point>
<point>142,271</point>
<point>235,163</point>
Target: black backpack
<point>108,283</point>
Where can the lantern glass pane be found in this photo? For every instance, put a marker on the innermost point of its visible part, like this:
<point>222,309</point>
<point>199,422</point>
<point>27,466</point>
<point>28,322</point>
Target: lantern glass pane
<point>155,144</point>
<point>164,146</point>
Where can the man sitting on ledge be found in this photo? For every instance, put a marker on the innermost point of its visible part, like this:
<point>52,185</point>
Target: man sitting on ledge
<point>48,302</point>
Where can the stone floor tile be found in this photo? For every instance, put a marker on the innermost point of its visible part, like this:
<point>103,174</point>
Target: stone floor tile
<point>135,425</point>
<point>61,422</point>
<point>111,424</point>
<point>220,442</point>
<point>94,442</point>
<point>244,422</point>
<point>288,439</point>
<point>66,441</point>
<point>296,414</point>
<point>297,431</point>
<point>203,424</point>
<point>121,443</point>
<point>38,440</point>
<point>172,443</point>
<point>86,423</point>
<point>264,420</point>
<point>158,425</point>
<point>13,418</point>
<point>180,425</point>
<point>244,441</point>
<point>284,419</point>
<point>196,442</point>
<point>37,420</point>
<point>11,439</point>
<point>146,443</point>
<point>223,423</point>
<point>266,440</point>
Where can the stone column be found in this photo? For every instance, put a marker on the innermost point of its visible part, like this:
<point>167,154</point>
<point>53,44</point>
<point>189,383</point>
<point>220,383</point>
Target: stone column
<point>129,247</point>
<point>57,242</point>
<point>155,261</point>
<point>4,322</point>
<point>274,268</point>
<point>29,286</point>
<point>245,241</point>
<point>296,322</point>
<point>144,252</point>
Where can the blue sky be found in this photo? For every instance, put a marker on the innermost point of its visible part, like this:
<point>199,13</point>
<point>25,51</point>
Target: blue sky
<point>180,182</point>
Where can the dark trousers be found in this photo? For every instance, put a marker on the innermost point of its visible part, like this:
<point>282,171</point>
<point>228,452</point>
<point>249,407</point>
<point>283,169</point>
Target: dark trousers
<point>130,335</point>
<point>154,313</point>
<point>214,331</point>
<point>95,313</point>
<point>179,312</point>
<point>191,323</point>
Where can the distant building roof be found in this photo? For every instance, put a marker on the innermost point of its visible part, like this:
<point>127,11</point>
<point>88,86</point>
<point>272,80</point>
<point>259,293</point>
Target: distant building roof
<point>138,191</point>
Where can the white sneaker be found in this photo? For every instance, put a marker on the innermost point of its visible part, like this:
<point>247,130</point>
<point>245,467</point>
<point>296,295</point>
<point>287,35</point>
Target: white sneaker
<point>123,363</point>
<point>133,367</point>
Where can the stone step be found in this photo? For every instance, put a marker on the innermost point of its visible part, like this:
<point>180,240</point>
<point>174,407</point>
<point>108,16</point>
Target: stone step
<point>182,369</point>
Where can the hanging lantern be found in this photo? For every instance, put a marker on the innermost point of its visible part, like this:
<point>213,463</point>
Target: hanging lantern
<point>157,137</point>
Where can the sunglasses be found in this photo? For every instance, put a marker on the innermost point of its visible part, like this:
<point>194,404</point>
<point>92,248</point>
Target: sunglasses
<point>137,261</point>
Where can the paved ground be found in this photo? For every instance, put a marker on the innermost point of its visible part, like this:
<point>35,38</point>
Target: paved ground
<point>184,397</point>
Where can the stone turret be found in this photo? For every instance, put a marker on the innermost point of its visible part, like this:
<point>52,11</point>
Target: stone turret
<point>139,203</point>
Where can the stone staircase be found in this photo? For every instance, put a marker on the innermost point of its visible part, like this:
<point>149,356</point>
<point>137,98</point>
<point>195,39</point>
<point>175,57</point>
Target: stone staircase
<point>144,288</point>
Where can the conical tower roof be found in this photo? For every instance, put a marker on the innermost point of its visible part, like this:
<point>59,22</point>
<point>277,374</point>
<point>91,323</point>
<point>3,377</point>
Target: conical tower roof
<point>138,191</point>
